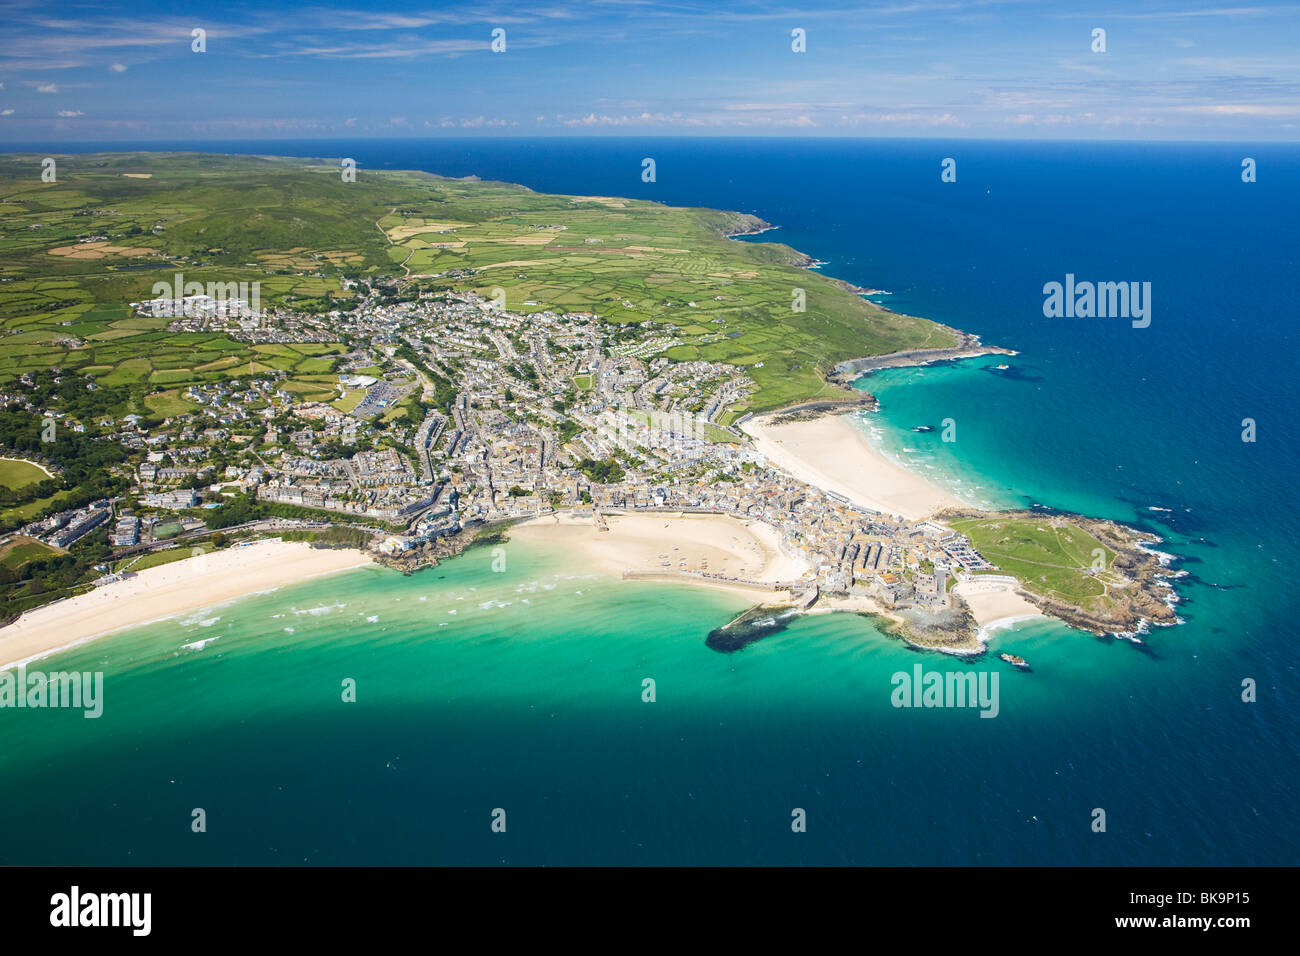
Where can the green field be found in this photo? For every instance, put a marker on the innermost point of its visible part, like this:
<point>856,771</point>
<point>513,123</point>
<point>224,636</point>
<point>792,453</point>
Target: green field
<point>351,399</point>
<point>33,508</point>
<point>1050,557</point>
<point>152,559</point>
<point>297,229</point>
<point>19,474</point>
<point>21,550</point>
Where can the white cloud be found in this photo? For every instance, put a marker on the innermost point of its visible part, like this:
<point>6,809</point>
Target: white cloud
<point>118,67</point>
<point>47,87</point>
<point>1242,109</point>
<point>6,112</point>
<point>908,118</point>
<point>68,114</point>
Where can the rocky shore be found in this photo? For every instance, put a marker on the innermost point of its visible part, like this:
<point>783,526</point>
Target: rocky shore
<point>440,549</point>
<point>968,346</point>
<point>806,411</point>
<point>1143,597</point>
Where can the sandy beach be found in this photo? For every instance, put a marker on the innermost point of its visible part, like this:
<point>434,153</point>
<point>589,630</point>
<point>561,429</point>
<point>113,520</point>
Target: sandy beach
<point>166,591</point>
<point>857,603</point>
<point>995,603</point>
<point>834,455</point>
<point>669,544</point>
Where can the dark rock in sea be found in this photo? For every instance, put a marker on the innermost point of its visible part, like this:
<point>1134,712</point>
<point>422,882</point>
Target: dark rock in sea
<point>754,625</point>
<point>1017,373</point>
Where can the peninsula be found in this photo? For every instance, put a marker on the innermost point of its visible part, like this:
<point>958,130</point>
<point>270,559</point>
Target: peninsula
<point>204,351</point>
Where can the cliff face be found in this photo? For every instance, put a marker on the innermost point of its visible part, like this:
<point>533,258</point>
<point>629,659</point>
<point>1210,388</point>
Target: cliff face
<point>743,224</point>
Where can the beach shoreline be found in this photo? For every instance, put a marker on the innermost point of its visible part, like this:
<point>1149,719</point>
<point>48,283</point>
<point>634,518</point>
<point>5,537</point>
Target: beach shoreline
<point>832,454</point>
<point>742,557</point>
<point>167,591</point>
<point>996,606</point>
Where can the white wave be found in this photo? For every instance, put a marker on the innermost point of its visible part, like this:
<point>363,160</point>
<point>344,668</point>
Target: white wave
<point>1003,624</point>
<point>316,611</point>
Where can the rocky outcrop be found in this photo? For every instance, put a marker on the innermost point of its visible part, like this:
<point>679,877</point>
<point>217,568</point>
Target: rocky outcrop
<point>1144,596</point>
<point>968,346</point>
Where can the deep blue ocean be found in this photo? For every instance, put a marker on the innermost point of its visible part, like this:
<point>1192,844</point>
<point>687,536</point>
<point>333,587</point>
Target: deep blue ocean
<point>1092,415</point>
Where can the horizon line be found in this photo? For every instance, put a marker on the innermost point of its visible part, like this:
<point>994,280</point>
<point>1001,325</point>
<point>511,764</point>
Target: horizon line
<point>27,146</point>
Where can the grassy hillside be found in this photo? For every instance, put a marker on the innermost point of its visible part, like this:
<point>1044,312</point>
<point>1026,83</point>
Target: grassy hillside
<point>295,227</point>
<point>1052,557</point>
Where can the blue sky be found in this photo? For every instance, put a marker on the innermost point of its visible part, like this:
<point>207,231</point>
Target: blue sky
<point>1173,69</point>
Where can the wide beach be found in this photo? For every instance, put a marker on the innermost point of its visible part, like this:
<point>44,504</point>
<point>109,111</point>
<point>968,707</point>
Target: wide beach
<point>673,547</point>
<point>833,454</point>
<point>166,591</point>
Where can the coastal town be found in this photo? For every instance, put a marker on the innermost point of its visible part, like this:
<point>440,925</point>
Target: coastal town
<point>432,420</point>
<point>452,415</point>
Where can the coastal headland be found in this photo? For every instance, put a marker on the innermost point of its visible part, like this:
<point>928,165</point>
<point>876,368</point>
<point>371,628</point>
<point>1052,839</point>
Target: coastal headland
<point>433,360</point>
<point>968,346</point>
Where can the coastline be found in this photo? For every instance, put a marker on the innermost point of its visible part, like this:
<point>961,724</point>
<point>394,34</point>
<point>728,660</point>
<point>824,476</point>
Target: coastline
<point>832,454</point>
<point>968,346</point>
<point>996,606</point>
<point>167,591</point>
<point>743,557</point>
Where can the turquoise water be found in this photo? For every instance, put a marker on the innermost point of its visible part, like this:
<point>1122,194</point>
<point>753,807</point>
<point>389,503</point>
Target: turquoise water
<point>536,707</point>
<point>523,690</point>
